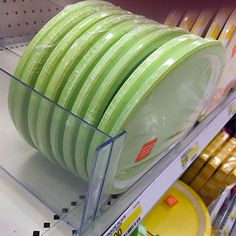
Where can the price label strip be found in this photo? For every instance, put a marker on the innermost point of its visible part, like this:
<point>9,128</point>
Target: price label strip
<point>129,223</point>
<point>191,154</point>
<point>232,109</point>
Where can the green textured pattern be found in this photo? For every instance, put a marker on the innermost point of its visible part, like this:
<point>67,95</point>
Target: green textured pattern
<point>34,58</point>
<point>87,31</point>
<point>134,38</point>
<point>77,79</point>
<point>104,91</point>
<point>146,79</point>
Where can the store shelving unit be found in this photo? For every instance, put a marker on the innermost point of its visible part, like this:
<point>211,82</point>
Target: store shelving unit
<point>216,206</point>
<point>126,210</point>
<point>133,205</point>
<point>233,232</point>
<point>230,221</point>
<point>226,219</point>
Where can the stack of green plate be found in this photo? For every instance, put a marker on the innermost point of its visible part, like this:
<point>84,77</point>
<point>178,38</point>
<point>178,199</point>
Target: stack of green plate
<point>116,71</point>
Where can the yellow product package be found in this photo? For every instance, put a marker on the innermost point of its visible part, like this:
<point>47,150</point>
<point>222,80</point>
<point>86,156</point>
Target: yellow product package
<point>180,202</point>
<point>188,176</point>
<point>219,22</point>
<point>211,150</point>
<point>197,183</point>
<point>231,178</point>
<point>225,169</point>
<point>203,21</point>
<point>189,19</point>
<point>215,162</point>
<point>228,79</point>
<point>174,17</point>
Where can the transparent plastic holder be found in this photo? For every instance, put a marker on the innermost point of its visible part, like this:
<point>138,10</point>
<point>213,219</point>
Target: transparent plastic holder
<point>74,200</point>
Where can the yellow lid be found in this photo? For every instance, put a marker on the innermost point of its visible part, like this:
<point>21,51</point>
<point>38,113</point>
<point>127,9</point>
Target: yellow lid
<point>185,214</point>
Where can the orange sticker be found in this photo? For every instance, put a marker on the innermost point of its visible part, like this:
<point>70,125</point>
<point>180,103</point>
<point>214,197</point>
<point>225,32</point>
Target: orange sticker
<point>146,150</point>
<point>171,200</point>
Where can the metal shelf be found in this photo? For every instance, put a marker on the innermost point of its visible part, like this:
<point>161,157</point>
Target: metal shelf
<point>229,221</point>
<point>233,232</point>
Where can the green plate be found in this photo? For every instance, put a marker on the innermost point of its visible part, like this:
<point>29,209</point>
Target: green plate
<point>35,57</point>
<point>151,105</point>
<point>60,64</point>
<point>64,69</point>
<point>79,75</point>
<point>105,87</point>
<point>85,95</point>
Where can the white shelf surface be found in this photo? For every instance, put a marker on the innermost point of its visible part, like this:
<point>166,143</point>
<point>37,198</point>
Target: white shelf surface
<point>130,207</point>
<point>22,214</point>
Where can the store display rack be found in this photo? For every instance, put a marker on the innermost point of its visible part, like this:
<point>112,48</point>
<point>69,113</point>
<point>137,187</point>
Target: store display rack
<point>94,211</point>
<point>230,221</point>
<point>233,231</point>
<point>215,207</point>
<point>133,205</point>
<point>226,219</point>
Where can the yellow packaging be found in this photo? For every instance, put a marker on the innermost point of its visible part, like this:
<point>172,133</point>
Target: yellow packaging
<point>229,30</point>
<point>211,150</point>
<point>189,19</point>
<point>216,183</point>
<point>231,178</point>
<point>188,176</point>
<point>197,183</point>
<point>210,191</point>
<point>219,22</point>
<point>207,196</point>
<point>225,168</point>
<point>174,18</point>
<point>227,80</point>
<point>213,188</point>
<point>202,21</point>
<point>214,163</point>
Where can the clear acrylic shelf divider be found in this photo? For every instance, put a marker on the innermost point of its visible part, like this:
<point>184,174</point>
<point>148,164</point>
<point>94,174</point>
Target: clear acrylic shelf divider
<point>67,195</point>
